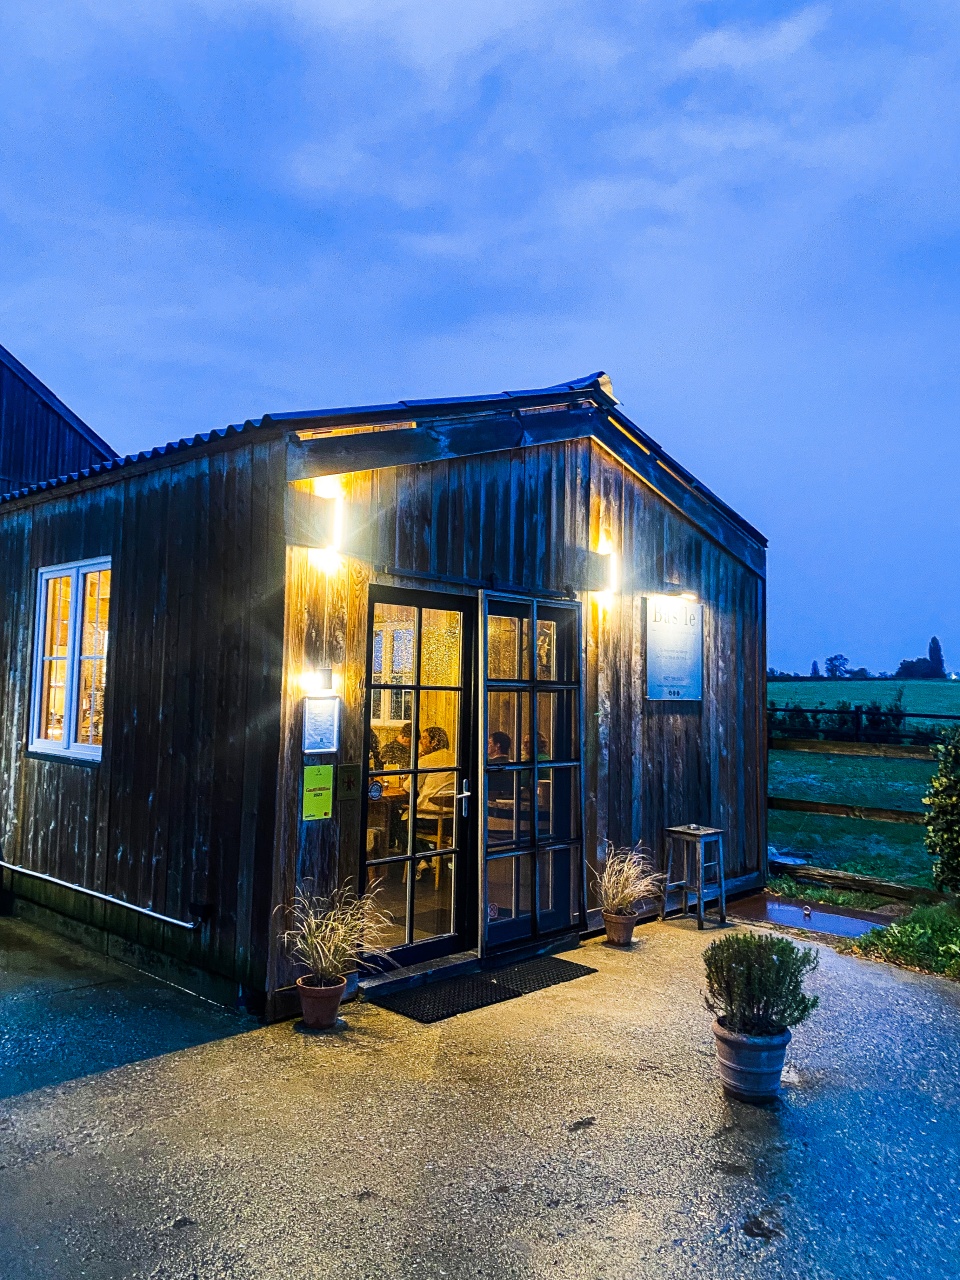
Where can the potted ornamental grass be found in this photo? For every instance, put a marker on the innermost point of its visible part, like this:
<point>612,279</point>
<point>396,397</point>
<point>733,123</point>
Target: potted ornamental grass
<point>626,879</point>
<point>332,936</point>
<point>755,990</point>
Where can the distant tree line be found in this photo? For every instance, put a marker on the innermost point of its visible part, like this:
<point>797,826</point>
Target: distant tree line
<point>837,667</point>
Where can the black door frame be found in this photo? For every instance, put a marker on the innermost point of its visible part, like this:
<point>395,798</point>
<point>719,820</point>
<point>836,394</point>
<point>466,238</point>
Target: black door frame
<point>466,887</point>
<point>533,602</point>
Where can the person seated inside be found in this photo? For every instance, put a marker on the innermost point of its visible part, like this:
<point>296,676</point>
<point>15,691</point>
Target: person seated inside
<point>499,783</point>
<point>436,793</point>
<point>434,752</point>
<point>397,752</point>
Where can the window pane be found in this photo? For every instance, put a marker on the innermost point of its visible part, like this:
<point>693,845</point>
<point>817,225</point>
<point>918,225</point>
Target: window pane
<point>558,889</point>
<point>433,898</point>
<point>391,882</point>
<point>441,642</point>
<point>557,730</point>
<point>53,699</point>
<point>57,629</point>
<point>556,645</point>
<point>436,816</point>
<point>93,649</point>
<point>508,891</point>
<point>439,729</point>
<point>394,635</point>
<point>96,609</point>
<point>391,741</point>
<point>505,732</point>
<point>546,649</point>
<point>388,818</point>
<point>558,804</point>
<point>508,807</point>
<point>508,645</point>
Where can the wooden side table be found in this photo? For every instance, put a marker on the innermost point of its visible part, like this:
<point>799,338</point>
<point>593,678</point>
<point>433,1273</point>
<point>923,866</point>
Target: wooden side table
<point>693,841</point>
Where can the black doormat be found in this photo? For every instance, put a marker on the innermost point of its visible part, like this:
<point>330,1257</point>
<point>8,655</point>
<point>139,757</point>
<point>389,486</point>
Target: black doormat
<point>434,1001</point>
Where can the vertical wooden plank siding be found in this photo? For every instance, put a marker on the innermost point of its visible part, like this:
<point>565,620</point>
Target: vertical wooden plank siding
<point>521,519</point>
<point>180,808</point>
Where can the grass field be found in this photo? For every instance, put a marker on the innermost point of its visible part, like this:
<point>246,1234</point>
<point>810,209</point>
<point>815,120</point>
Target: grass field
<point>890,850</point>
<point>939,697</point>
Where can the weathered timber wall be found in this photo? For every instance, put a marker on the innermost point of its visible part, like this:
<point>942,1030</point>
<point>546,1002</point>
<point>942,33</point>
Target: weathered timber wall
<point>522,519</point>
<point>181,808</point>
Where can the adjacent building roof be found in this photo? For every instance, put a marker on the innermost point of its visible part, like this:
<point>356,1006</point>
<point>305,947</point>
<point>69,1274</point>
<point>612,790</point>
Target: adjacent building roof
<point>53,402</point>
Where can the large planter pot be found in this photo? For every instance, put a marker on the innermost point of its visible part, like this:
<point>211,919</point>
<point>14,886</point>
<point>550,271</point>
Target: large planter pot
<point>620,928</point>
<point>750,1066</point>
<point>320,1004</point>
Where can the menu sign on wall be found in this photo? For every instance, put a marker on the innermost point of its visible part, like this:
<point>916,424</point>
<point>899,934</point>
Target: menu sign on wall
<point>674,649</point>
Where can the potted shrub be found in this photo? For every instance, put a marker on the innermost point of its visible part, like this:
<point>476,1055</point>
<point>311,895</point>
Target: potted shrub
<point>332,937</point>
<point>626,879</point>
<point>755,989</point>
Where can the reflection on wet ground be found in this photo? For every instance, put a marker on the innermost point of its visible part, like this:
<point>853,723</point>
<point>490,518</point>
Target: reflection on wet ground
<point>844,922</point>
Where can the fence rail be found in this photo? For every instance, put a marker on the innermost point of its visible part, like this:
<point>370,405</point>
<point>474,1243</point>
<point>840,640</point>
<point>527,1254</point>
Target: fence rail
<point>856,724</point>
<point>854,731</point>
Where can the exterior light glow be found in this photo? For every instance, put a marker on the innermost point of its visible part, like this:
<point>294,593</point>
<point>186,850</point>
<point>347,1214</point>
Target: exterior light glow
<point>317,684</point>
<point>689,595</point>
<point>327,559</point>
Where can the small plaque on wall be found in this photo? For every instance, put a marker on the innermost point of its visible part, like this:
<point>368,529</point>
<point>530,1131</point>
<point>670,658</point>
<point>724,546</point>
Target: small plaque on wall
<point>317,791</point>
<point>321,725</point>
<point>674,649</point>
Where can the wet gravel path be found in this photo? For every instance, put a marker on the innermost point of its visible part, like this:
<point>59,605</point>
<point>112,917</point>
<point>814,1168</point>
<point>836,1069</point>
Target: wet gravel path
<point>577,1133</point>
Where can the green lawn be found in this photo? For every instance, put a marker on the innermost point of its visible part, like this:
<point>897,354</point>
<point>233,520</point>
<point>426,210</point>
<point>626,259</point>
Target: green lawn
<point>890,850</point>
<point>866,780</point>
<point>941,697</point>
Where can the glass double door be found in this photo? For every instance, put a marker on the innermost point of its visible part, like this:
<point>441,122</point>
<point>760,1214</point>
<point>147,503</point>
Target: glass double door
<point>472,832</point>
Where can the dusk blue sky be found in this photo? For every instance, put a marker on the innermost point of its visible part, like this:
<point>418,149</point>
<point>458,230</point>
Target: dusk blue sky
<point>746,213</point>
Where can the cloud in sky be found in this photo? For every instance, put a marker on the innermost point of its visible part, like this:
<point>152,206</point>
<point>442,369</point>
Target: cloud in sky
<point>748,214</point>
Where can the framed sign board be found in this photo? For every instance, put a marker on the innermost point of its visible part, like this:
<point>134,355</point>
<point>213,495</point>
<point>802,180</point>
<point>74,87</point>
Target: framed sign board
<point>321,725</point>
<point>317,791</point>
<point>674,649</point>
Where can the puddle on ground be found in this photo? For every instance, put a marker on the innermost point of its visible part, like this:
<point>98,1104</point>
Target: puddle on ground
<point>816,916</point>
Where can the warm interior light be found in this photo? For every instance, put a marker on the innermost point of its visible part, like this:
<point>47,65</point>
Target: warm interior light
<point>689,595</point>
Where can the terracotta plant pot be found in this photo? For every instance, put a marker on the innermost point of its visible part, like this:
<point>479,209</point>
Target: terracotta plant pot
<point>620,928</point>
<point>320,1004</point>
<point>750,1066</point>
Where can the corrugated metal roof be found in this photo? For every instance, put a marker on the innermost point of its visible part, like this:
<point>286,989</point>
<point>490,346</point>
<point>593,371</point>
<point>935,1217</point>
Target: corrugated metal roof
<point>429,407</point>
<point>597,385</point>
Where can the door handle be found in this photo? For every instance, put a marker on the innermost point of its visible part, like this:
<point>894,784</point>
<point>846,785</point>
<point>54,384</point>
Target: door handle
<point>464,797</point>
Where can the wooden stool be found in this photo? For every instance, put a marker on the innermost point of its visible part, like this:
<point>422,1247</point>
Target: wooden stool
<point>693,840</point>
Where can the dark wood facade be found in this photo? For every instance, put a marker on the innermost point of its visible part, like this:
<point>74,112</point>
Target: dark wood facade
<point>219,607</point>
<point>39,436</point>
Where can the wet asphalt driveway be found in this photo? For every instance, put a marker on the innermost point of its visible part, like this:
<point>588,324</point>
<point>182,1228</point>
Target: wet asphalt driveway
<point>575,1133</point>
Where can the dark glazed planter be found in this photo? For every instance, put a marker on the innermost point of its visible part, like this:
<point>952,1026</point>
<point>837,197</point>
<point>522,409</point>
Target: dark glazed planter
<point>320,1004</point>
<point>750,1066</point>
<point>620,928</point>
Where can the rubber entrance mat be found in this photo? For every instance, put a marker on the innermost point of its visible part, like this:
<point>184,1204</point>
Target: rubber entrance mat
<point>435,1001</point>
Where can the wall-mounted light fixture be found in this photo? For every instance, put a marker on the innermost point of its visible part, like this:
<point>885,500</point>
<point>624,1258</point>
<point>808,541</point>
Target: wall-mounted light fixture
<point>317,683</point>
<point>328,559</point>
<point>681,593</point>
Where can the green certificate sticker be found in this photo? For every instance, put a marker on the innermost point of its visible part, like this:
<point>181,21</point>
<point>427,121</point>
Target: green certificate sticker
<point>317,791</point>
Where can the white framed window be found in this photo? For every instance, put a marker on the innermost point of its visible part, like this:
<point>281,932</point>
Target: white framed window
<point>70,659</point>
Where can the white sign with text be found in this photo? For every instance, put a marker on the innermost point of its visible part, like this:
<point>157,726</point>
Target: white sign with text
<point>674,649</point>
